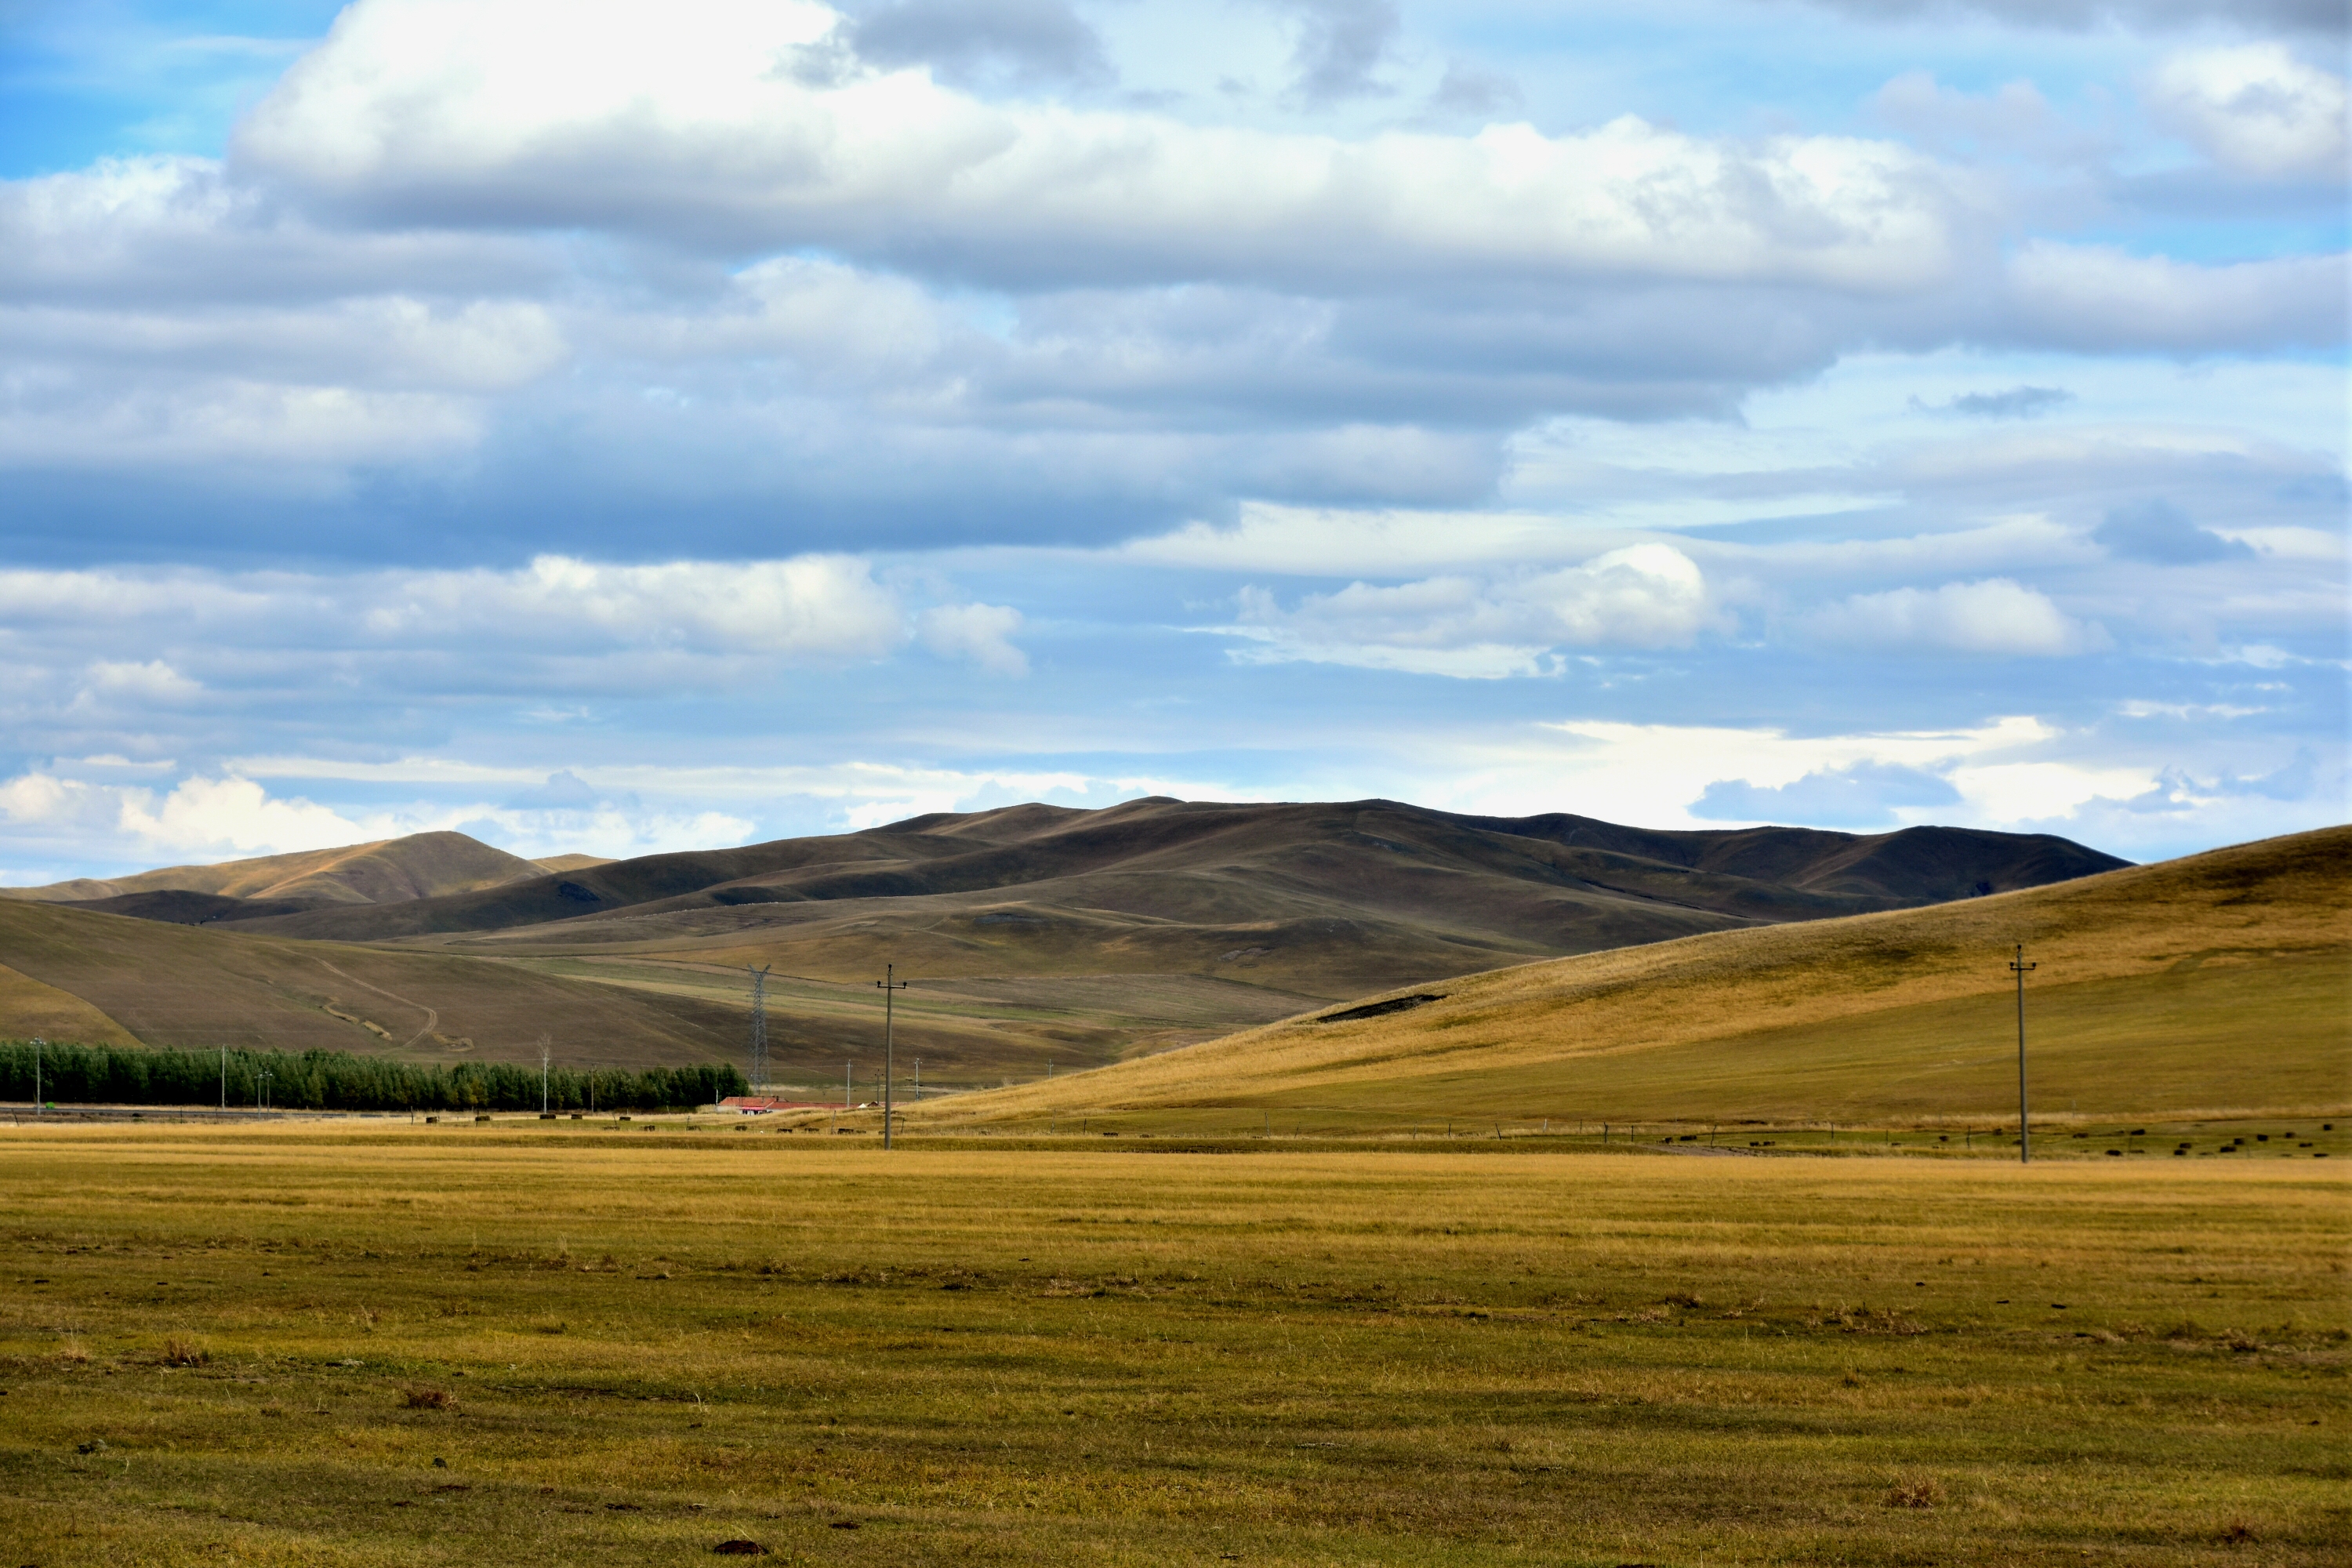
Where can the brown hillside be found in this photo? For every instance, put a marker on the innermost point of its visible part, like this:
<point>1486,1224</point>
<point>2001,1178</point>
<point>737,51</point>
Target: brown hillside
<point>570,862</point>
<point>29,1010</point>
<point>1325,899</point>
<point>192,987</point>
<point>2219,980</point>
<point>391,870</point>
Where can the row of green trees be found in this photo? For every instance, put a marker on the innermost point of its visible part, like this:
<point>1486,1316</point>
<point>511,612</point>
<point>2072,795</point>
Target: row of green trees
<point>340,1080</point>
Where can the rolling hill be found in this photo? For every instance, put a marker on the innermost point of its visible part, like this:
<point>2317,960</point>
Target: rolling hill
<point>391,870</point>
<point>1321,899</point>
<point>79,974</point>
<point>2219,981</point>
<point>1038,935</point>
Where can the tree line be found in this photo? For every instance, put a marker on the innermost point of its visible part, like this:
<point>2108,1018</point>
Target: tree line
<point>342,1080</point>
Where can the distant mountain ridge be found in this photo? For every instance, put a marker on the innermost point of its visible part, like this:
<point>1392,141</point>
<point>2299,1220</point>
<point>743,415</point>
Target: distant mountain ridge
<point>1239,876</point>
<point>386,870</point>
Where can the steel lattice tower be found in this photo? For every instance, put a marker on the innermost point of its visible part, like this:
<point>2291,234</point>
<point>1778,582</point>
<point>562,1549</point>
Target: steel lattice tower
<point>758,1029</point>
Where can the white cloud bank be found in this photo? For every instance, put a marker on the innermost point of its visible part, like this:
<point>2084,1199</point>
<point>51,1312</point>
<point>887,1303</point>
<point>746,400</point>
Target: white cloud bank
<point>230,816</point>
<point>725,122</point>
<point>216,816</point>
<point>2103,299</point>
<point>813,609</point>
<point>1645,595</point>
<point>1996,615</point>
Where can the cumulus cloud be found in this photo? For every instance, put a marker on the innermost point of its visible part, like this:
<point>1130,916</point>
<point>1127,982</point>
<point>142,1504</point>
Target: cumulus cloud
<point>47,802</point>
<point>230,816</point>
<point>2254,109</point>
<point>385,283</point>
<point>200,816</point>
<point>438,111</point>
<point>1997,615</point>
<point>1645,595</point>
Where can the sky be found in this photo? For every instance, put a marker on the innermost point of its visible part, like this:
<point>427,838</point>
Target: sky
<point>620,428</point>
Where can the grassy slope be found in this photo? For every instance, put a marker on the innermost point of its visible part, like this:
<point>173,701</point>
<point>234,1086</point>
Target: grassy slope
<point>29,1010</point>
<point>657,1341</point>
<point>391,870</point>
<point>2220,980</point>
<point>193,987</point>
<point>570,862</point>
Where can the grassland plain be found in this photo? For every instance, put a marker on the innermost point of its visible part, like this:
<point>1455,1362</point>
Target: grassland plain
<point>595,1344</point>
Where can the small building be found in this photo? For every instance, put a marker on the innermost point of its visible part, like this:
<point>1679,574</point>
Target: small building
<point>764,1105</point>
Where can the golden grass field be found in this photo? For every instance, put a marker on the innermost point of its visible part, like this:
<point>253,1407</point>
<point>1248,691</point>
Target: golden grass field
<point>595,1343</point>
<point>2217,984</point>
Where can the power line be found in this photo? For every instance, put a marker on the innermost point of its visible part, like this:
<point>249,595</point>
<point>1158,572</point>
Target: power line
<point>2018,967</point>
<point>759,1028</point>
<point>891,986</point>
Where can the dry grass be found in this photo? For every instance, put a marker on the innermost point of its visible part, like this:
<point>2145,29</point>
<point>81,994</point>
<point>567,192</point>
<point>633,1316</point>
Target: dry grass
<point>1916,1491</point>
<point>1122,1358</point>
<point>2221,980</point>
<point>29,1008</point>
<point>195,988</point>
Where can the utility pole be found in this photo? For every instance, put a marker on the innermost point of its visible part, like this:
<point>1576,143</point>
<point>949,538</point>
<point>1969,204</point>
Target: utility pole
<point>919,1080</point>
<point>759,1027</point>
<point>224,1078</point>
<point>2018,967</point>
<point>546,1051</point>
<point>891,986</point>
<point>37,1044</point>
